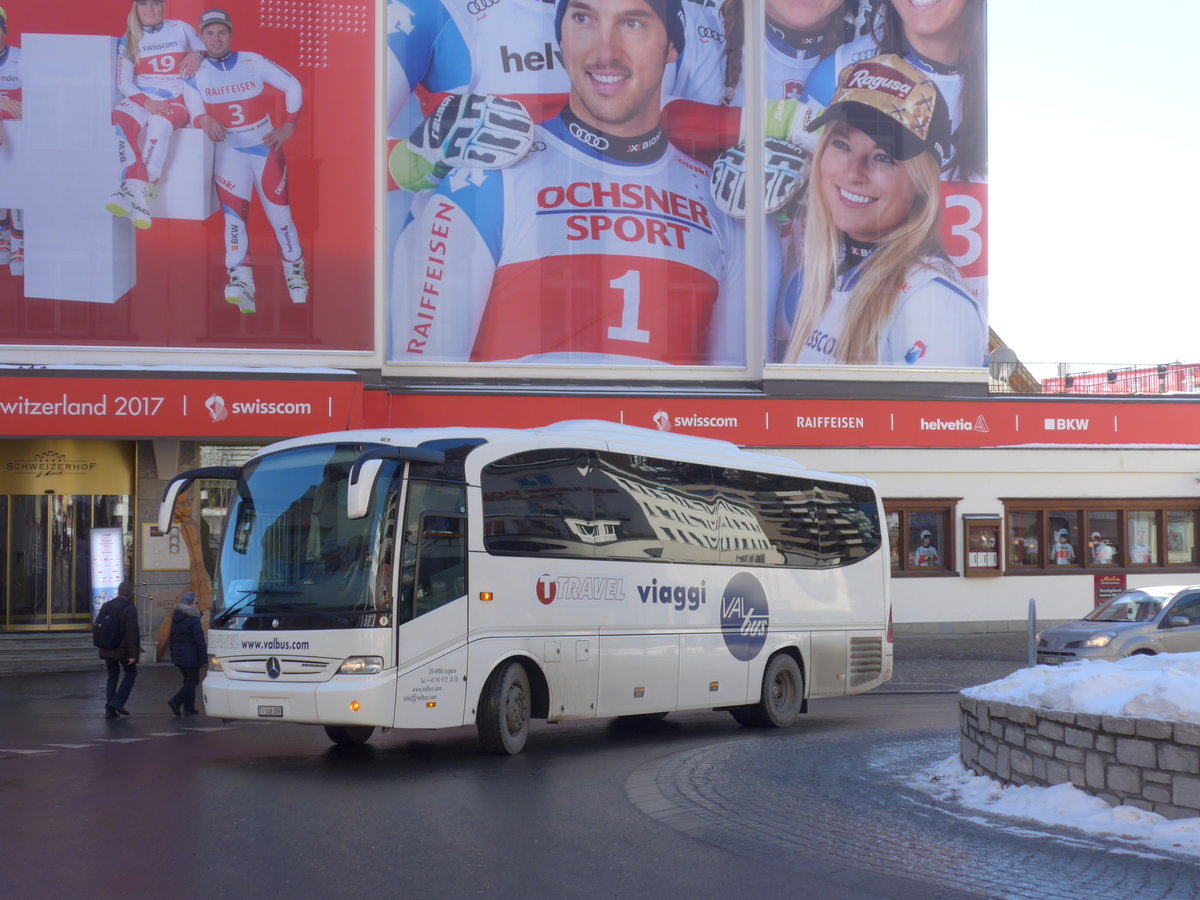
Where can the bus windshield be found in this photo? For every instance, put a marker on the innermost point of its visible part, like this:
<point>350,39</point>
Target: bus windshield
<point>291,559</point>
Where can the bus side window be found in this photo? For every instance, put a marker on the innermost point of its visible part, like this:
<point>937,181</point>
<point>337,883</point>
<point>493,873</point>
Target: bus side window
<point>441,565</point>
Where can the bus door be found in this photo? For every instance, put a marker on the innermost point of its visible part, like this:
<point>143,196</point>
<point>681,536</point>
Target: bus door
<point>431,608</point>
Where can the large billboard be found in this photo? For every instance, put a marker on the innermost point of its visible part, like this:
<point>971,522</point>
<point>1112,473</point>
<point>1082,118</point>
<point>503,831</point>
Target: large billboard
<point>172,183</point>
<point>552,196</point>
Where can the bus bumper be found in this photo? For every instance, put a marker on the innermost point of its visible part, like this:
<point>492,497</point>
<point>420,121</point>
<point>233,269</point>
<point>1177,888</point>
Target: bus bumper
<point>344,700</point>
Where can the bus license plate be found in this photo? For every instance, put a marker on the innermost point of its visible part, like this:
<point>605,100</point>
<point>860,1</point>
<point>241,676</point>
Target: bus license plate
<point>270,712</point>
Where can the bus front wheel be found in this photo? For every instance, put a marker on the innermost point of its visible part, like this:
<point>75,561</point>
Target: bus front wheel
<point>349,735</point>
<point>782,693</point>
<point>503,721</point>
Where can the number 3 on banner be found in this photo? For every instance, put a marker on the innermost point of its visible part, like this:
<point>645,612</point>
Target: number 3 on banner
<point>965,231</point>
<point>630,286</point>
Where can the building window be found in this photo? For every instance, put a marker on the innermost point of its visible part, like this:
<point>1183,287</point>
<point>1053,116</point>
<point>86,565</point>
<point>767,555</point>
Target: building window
<point>1104,538</point>
<point>1142,529</point>
<point>922,536</point>
<point>1069,536</point>
<point>1181,537</point>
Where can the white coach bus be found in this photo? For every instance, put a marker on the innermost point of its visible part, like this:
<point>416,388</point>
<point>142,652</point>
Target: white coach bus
<point>430,578</point>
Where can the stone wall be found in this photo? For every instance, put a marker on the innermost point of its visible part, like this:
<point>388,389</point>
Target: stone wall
<point>1147,763</point>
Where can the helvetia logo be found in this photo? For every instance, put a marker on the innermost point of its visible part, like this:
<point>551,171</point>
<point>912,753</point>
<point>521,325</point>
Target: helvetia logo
<point>745,618</point>
<point>662,420</point>
<point>980,424</point>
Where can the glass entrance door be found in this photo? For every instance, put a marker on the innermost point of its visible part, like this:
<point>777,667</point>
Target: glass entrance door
<point>46,560</point>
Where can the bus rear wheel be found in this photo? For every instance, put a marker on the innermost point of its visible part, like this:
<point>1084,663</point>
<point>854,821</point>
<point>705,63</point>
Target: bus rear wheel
<point>503,721</point>
<point>782,693</point>
<point>349,735</point>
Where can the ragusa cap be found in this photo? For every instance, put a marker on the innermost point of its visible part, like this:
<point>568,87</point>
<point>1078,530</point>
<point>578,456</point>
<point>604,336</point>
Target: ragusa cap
<point>895,103</point>
<point>215,16</point>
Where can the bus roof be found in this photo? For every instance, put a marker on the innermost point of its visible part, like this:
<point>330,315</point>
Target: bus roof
<point>621,438</point>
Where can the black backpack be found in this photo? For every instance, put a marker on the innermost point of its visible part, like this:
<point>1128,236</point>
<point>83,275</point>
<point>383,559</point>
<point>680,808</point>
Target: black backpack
<point>108,630</point>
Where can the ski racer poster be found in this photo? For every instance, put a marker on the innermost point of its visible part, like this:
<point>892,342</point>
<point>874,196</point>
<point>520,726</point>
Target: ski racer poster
<point>179,175</point>
<point>567,183</point>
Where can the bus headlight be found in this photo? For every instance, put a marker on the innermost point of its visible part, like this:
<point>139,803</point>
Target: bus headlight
<point>361,665</point>
<point>214,664</point>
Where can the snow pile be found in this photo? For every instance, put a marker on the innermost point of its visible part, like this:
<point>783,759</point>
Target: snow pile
<point>1061,805</point>
<point>1152,687</point>
<point>1144,687</point>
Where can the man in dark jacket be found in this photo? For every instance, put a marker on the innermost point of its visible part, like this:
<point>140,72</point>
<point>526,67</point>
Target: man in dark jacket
<point>125,655</point>
<point>189,652</point>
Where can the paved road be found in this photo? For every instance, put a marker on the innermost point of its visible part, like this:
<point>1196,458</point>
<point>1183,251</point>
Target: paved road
<point>692,806</point>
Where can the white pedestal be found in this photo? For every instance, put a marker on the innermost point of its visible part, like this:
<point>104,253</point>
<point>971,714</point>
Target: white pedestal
<point>74,249</point>
<point>64,167</point>
<point>12,162</point>
<point>186,189</point>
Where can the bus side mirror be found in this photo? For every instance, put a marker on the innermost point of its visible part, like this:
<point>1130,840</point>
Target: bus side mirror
<point>358,493</point>
<point>166,509</point>
<point>243,527</point>
<point>182,481</point>
<point>365,471</point>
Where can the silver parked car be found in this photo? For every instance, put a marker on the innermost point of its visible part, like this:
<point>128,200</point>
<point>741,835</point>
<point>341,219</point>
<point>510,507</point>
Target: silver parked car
<point>1159,619</point>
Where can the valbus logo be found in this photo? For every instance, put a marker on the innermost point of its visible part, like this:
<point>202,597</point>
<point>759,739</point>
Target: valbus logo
<point>745,616</point>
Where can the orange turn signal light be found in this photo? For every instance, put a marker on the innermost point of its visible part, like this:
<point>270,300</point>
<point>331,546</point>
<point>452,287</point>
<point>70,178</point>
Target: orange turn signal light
<point>355,706</point>
<point>485,596</point>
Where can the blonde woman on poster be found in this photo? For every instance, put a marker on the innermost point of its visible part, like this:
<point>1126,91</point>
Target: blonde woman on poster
<point>946,42</point>
<point>153,57</point>
<point>876,287</point>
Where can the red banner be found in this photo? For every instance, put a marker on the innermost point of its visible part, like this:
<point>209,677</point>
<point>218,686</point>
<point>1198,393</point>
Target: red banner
<point>838,423</point>
<point>205,409</point>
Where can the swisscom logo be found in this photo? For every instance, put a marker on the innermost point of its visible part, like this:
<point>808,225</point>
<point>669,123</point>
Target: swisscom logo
<point>744,616</point>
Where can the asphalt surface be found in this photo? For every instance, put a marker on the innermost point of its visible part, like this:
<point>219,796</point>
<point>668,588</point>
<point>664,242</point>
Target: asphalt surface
<point>827,809</point>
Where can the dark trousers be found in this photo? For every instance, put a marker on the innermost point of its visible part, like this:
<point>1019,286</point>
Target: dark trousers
<point>186,695</point>
<point>117,696</point>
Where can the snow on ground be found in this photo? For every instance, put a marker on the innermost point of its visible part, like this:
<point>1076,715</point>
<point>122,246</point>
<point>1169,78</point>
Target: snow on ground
<point>1155,687</point>
<point>1062,805</point>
